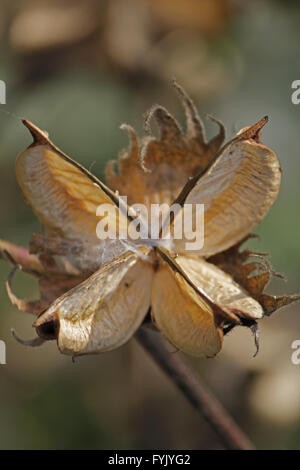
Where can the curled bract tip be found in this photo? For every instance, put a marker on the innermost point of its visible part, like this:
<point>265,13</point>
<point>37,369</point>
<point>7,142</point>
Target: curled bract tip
<point>255,331</point>
<point>35,342</point>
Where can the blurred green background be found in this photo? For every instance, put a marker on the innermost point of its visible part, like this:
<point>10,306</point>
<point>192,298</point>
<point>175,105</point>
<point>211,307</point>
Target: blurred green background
<point>80,69</point>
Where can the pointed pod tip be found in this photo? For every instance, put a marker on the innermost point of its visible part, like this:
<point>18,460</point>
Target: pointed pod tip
<point>263,121</point>
<point>32,127</point>
<point>38,135</point>
<point>253,132</point>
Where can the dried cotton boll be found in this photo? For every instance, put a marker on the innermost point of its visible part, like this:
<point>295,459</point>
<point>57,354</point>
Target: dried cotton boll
<point>95,291</point>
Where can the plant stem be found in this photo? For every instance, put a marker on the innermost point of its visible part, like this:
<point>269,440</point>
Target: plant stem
<point>197,393</point>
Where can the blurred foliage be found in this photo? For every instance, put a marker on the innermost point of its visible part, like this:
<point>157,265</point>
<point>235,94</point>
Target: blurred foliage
<point>80,69</point>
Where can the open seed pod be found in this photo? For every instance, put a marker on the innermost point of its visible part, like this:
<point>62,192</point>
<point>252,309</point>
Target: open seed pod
<point>96,293</point>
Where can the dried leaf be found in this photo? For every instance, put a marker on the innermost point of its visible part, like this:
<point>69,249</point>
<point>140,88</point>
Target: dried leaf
<point>159,168</point>
<point>234,262</point>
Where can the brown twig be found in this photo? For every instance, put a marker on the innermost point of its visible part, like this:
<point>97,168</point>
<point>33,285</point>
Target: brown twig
<point>198,394</point>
